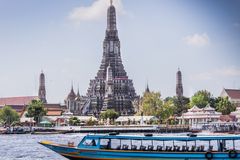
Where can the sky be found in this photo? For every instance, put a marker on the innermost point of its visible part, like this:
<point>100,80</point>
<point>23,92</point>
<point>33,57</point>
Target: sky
<point>63,38</point>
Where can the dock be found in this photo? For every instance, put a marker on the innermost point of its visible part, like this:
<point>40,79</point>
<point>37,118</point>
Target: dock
<point>99,129</point>
<point>123,129</point>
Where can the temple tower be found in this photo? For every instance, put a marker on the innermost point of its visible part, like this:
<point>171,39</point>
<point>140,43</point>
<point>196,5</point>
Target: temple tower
<point>147,90</point>
<point>111,88</point>
<point>70,101</point>
<point>179,86</point>
<point>42,90</point>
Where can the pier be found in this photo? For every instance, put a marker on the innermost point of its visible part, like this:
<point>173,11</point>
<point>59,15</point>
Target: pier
<point>98,129</point>
<point>124,129</point>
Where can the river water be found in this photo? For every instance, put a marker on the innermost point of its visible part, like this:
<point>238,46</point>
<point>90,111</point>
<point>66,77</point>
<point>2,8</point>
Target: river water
<point>26,147</point>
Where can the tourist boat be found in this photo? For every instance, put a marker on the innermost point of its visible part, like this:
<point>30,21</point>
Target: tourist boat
<point>127,147</point>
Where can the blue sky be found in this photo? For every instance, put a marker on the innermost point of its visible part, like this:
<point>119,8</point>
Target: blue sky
<point>64,39</point>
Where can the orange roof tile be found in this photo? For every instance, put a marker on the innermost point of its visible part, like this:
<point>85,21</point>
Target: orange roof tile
<point>54,109</point>
<point>54,113</point>
<point>17,100</point>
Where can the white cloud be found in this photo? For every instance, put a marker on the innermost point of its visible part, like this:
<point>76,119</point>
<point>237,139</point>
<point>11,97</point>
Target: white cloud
<point>224,72</point>
<point>198,40</point>
<point>97,10</point>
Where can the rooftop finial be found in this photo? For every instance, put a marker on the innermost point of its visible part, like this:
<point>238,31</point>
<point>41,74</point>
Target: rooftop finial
<point>111,2</point>
<point>72,85</point>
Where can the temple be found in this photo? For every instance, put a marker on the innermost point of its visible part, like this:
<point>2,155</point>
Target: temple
<point>111,88</point>
<point>42,90</point>
<point>179,86</point>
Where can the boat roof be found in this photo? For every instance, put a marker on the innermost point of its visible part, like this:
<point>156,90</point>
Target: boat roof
<point>164,138</point>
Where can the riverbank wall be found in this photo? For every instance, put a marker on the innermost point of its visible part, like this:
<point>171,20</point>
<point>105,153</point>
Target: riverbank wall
<point>99,129</point>
<point>125,129</point>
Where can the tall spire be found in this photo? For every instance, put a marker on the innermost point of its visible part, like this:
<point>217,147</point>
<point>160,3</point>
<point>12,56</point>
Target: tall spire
<point>111,18</point>
<point>78,97</point>
<point>78,94</point>
<point>179,86</point>
<point>147,90</point>
<point>71,95</point>
<point>72,86</point>
<point>111,2</point>
<point>42,90</point>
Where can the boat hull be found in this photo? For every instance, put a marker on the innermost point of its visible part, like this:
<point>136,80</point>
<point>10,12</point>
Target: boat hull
<point>75,153</point>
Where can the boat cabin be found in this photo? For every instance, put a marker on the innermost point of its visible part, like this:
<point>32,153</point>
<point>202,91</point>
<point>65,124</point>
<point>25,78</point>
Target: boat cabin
<point>160,143</point>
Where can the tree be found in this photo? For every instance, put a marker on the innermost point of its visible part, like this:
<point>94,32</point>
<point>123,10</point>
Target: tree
<point>225,106</point>
<point>181,104</point>
<point>109,113</point>
<point>201,99</point>
<point>166,110</point>
<point>150,103</point>
<point>8,115</point>
<point>36,110</point>
<point>74,121</point>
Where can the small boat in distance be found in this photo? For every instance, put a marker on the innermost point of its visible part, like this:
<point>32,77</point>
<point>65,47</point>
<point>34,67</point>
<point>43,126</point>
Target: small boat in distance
<point>126,147</point>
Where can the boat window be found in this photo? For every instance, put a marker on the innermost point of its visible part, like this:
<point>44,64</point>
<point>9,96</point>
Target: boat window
<point>179,143</point>
<point>158,143</point>
<point>135,144</point>
<point>230,145</point>
<point>237,142</point>
<point>115,144</point>
<point>214,144</point>
<point>147,143</point>
<point>90,142</point>
<point>105,143</point>
<point>168,143</point>
<point>125,142</point>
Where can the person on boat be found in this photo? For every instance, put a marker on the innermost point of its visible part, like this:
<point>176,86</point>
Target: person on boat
<point>109,144</point>
<point>220,147</point>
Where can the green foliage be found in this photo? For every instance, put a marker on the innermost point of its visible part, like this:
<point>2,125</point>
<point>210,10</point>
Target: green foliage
<point>181,104</point>
<point>150,104</point>
<point>109,113</point>
<point>74,121</point>
<point>213,101</point>
<point>8,115</point>
<point>36,110</point>
<point>201,99</point>
<point>91,122</point>
<point>166,111</point>
<point>225,106</point>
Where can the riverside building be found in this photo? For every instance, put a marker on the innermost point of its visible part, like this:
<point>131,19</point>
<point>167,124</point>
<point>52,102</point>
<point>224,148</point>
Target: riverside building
<point>20,103</point>
<point>197,115</point>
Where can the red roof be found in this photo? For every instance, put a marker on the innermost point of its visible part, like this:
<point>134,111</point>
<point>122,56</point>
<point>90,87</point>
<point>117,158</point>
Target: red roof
<point>233,93</point>
<point>54,113</point>
<point>17,100</point>
<point>53,105</point>
<point>53,109</point>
